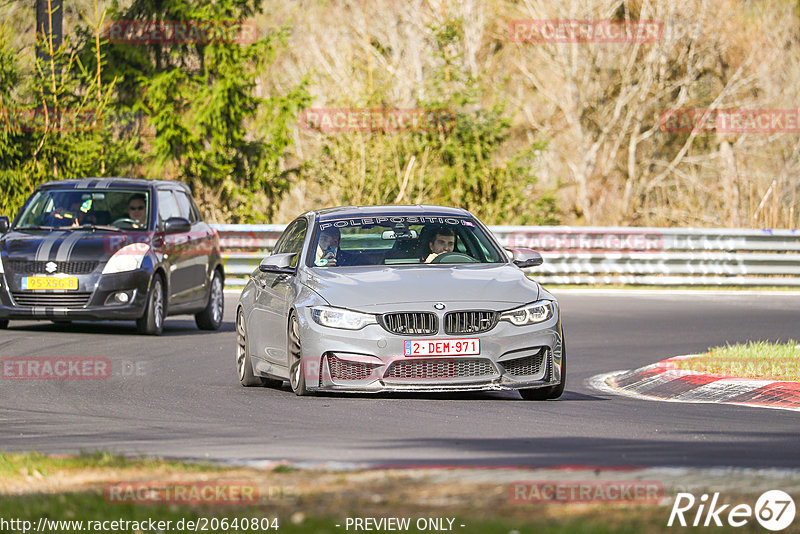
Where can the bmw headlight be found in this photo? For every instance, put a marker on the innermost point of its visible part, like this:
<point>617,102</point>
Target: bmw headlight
<point>128,258</point>
<point>341,318</point>
<point>537,312</point>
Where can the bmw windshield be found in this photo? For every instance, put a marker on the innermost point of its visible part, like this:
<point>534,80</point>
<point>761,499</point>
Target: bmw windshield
<point>401,240</point>
<point>66,209</point>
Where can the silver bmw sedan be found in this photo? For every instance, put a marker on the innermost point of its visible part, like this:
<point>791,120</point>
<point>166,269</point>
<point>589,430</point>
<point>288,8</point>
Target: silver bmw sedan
<point>398,298</point>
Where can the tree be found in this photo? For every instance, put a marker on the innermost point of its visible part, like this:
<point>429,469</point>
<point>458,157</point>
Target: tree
<point>464,160</point>
<point>56,120</point>
<point>204,123</point>
<point>605,105</point>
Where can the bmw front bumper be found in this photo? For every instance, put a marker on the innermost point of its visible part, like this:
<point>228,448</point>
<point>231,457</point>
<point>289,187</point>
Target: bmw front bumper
<point>372,359</point>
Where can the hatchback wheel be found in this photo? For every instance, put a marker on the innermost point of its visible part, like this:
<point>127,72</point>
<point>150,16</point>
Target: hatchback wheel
<point>211,317</point>
<point>152,322</point>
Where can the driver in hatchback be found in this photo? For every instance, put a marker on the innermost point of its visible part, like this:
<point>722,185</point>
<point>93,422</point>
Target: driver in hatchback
<point>137,210</point>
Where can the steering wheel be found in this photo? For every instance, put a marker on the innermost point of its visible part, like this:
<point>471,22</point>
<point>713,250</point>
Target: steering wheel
<point>130,222</point>
<point>454,257</point>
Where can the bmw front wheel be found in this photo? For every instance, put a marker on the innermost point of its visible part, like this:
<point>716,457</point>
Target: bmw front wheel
<point>297,377</point>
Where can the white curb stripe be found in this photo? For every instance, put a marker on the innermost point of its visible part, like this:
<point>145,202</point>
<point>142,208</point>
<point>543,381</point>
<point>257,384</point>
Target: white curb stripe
<point>719,391</point>
<point>724,390</point>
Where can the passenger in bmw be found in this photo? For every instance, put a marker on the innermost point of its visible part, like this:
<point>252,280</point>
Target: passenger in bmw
<point>328,247</point>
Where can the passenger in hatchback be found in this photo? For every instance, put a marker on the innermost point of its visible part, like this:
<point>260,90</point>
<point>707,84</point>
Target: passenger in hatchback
<point>67,213</point>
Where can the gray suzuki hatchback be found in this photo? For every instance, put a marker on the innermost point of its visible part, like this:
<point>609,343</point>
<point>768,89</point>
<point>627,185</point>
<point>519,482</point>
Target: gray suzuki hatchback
<point>110,249</point>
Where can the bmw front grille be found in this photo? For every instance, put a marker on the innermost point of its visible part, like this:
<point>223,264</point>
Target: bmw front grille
<point>410,323</point>
<point>469,322</point>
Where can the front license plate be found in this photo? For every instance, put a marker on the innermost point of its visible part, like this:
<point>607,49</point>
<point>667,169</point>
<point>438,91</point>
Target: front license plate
<point>32,283</point>
<point>443,347</point>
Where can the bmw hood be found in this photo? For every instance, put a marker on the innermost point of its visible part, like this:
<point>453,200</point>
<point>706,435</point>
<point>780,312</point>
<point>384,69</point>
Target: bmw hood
<point>376,290</point>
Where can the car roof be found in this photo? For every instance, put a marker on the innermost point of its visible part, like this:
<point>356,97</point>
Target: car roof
<point>110,183</point>
<point>371,211</point>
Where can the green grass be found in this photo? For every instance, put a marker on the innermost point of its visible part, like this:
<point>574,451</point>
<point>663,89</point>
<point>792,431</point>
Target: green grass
<point>283,469</point>
<point>19,465</point>
<point>316,503</point>
<point>756,359</point>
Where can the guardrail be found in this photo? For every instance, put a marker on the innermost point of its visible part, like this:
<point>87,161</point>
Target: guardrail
<point>601,255</point>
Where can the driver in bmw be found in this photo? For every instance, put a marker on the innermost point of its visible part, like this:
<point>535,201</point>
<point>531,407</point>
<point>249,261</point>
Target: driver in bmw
<point>441,240</point>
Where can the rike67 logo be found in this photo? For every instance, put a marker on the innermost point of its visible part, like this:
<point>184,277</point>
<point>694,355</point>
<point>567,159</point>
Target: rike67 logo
<point>774,510</point>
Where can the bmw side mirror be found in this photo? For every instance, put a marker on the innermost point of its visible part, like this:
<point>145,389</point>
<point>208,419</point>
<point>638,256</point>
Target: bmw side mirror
<point>278,263</point>
<point>5,224</point>
<point>525,257</point>
<point>177,225</point>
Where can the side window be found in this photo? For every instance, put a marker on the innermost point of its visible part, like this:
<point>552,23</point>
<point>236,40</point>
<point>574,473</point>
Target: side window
<point>40,209</point>
<point>281,244</point>
<point>194,209</point>
<point>167,206</point>
<point>461,245</point>
<point>185,207</point>
<point>292,240</point>
<point>481,249</point>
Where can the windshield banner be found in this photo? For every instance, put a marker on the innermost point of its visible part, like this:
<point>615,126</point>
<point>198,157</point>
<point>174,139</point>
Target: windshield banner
<point>383,220</point>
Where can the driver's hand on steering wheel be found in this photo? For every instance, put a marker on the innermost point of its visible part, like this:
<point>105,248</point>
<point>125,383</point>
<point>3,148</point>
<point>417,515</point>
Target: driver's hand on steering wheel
<point>431,257</point>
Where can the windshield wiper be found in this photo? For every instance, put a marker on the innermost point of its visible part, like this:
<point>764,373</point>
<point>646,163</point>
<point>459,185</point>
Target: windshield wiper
<point>96,227</point>
<point>35,228</point>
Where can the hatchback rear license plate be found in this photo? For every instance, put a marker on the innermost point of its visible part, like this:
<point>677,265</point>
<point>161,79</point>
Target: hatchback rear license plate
<point>443,347</point>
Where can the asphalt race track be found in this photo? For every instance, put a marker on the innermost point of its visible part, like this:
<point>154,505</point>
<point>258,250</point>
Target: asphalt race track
<point>178,396</point>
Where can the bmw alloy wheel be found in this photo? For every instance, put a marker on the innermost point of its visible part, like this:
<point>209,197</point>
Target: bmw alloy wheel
<point>295,353</point>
